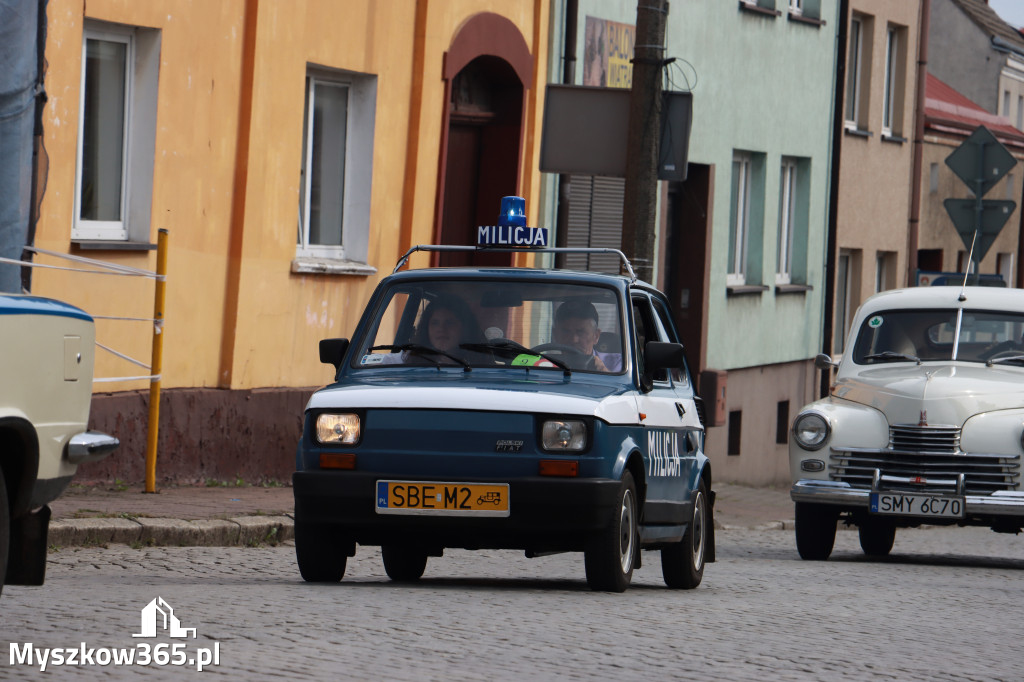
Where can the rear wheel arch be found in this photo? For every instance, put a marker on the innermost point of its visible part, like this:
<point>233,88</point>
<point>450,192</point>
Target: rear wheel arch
<point>635,466</point>
<point>19,460</point>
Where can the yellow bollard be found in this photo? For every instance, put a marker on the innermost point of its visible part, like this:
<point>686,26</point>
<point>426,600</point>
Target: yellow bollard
<point>156,366</point>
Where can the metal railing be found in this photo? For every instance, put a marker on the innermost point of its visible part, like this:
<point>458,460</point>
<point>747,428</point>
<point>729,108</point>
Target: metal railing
<point>155,366</point>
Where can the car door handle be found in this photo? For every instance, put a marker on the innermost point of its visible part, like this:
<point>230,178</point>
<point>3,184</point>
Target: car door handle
<point>680,409</point>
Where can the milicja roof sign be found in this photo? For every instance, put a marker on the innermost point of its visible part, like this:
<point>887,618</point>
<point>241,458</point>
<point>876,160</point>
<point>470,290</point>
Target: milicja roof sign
<point>983,158</point>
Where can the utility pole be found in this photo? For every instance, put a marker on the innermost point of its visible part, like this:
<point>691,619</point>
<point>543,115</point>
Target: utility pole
<point>641,197</point>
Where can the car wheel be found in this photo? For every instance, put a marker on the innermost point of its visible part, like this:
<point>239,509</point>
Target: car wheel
<point>682,564</point>
<point>877,536</point>
<point>402,564</point>
<point>815,530</point>
<point>610,556</point>
<point>5,530</point>
<point>320,554</point>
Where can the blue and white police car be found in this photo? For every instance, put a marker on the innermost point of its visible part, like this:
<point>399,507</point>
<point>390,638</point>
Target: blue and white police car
<point>507,408</point>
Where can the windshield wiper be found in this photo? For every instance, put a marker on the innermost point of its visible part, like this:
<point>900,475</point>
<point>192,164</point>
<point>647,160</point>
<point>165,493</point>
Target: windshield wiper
<point>892,356</point>
<point>1005,358</point>
<point>514,348</point>
<point>420,349</point>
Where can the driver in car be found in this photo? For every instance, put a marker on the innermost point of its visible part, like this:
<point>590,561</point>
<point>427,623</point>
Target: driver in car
<point>576,326</point>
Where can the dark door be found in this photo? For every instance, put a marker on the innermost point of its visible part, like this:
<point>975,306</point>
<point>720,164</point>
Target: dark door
<point>482,158</point>
<point>688,245</point>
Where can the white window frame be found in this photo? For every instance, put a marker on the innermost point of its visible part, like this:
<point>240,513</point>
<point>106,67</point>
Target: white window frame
<point>350,256</point>
<point>881,271</point>
<point>304,246</point>
<point>854,73</point>
<point>796,6</point>
<point>1004,266</point>
<point>844,285</point>
<point>892,46</point>
<point>788,175</point>
<point>138,151</point>
<point>106,229</point>
<point>740,221</point>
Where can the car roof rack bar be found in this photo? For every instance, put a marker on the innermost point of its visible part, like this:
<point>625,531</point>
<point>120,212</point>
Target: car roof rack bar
<point>491,249</point>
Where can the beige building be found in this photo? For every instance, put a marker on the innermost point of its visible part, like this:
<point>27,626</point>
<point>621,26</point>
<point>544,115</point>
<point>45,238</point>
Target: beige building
<point>949,119</point>
<point>876,159</point>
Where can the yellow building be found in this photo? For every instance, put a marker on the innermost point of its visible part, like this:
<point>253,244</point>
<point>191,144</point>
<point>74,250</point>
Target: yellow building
<point>293,150</point>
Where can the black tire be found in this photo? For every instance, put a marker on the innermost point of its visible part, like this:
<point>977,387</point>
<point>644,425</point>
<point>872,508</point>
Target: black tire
<point>320,553</point>
<point>815,530</point>
<point>611,555</point>
<point>682,564</point>
<point>5,531</point>
<point>877,536</point>
<point>402,564</point>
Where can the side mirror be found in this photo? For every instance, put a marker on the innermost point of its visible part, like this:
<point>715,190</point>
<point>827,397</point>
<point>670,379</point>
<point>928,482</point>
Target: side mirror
<point>823,362</point>
<point>662,355</point>
<point>332,351</point>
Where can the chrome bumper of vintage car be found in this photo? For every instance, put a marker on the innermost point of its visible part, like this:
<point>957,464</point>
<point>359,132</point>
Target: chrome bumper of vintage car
<point>998,503</point>
<point>90,446</point>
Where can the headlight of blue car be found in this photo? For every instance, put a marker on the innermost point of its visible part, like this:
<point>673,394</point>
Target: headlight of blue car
<point>339,429</point>
<point>564,435</point>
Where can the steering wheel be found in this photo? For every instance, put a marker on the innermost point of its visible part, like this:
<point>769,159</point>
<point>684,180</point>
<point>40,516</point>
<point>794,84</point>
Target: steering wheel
<point>570,354</point>
<point>1002,348</point>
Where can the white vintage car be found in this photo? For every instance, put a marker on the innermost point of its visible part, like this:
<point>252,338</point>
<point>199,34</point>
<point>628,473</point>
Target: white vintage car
<point>924,423</point>
<point>46,365</point>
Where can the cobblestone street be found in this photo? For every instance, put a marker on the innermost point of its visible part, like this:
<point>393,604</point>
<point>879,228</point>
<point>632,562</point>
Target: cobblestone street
<point>940,609</point>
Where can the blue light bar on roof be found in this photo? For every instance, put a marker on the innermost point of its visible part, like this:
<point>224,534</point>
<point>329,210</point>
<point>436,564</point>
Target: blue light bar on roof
<point>511,229</point>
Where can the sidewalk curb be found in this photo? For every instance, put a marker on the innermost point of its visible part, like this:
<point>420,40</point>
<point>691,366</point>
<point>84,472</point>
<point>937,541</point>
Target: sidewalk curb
<point>238,531</point>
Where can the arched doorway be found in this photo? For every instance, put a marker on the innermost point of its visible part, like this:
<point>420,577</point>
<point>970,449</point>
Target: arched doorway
<point>487,71</point>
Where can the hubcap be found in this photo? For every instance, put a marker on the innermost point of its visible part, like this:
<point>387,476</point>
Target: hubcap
<point>627,532</point>
<point>697,546</point>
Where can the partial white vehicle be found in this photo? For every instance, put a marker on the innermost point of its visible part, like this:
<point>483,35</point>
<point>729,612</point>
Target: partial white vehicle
<point>924,423</point>
<point>46,365</point>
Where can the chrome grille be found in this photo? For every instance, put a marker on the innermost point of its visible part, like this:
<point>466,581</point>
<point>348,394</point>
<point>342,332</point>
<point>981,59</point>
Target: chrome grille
<point>931,457</point>
<point>931,439</point>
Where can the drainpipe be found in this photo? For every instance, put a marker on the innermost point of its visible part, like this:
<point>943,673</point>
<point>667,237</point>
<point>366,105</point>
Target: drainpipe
<point>913,233</point>
<point>831,245</point>
<point>568,78</point>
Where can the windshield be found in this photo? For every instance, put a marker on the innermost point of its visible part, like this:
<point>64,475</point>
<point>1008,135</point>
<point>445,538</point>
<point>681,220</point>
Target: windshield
<point>923,335</point>
<point>468,324</point>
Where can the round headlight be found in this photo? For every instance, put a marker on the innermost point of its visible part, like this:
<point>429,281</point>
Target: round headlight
<point>811,430</point>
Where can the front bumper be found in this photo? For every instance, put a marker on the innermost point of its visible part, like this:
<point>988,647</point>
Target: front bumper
<point>838,493</point>
<point>546,514</point>
<point>90,446</point>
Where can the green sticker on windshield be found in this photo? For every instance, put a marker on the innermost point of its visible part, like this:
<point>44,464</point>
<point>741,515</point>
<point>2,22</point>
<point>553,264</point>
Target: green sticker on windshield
<point>526,360</point>
<point>875,322</point>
